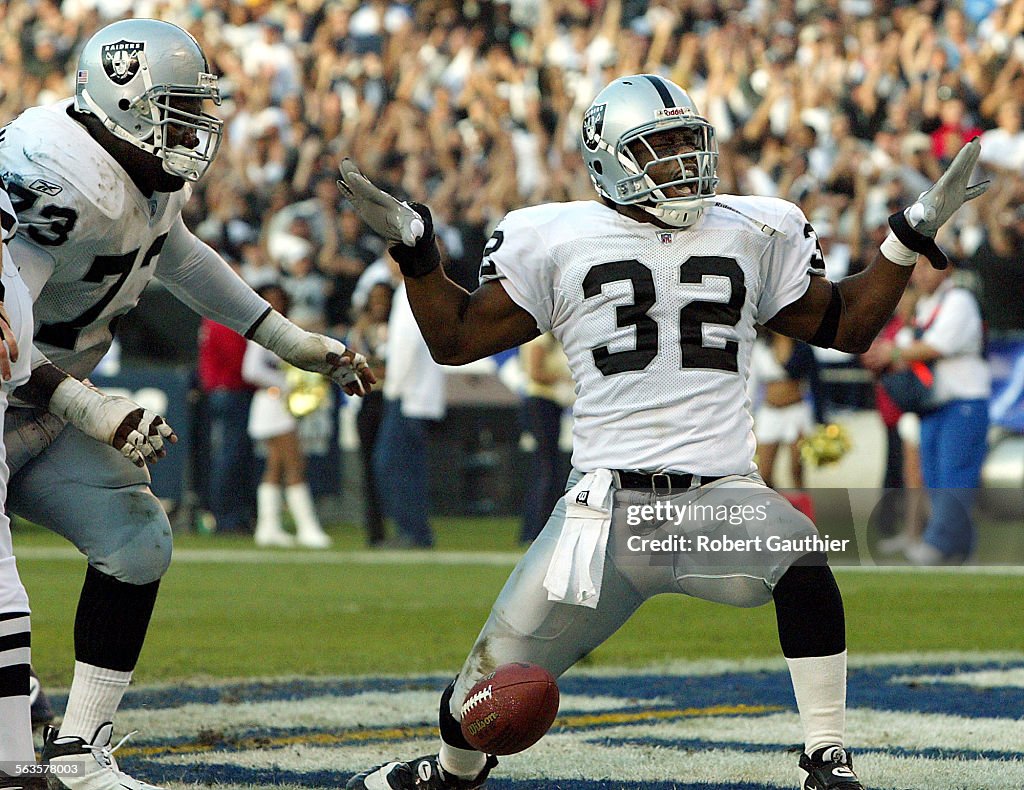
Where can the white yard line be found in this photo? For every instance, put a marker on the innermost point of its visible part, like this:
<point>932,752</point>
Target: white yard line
<point>429,557</point>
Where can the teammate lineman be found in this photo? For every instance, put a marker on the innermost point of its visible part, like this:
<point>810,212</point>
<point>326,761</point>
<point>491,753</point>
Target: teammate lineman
<point>98,183</point>
<point>654,292</point>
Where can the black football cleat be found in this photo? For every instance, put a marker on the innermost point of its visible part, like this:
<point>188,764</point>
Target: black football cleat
<point>30,782</point>
<point>423,773</point>
<point>829,768</point>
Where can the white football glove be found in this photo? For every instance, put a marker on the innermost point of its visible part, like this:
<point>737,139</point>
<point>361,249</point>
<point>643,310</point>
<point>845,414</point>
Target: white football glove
<point>915,227</point>
<point>318,353</point>
<point>137,433</point>
<point>395,222</point>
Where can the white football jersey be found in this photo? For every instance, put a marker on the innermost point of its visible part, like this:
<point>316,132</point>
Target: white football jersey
<point>94,236</point>
<point>16,299</point>
<point>657,324</point>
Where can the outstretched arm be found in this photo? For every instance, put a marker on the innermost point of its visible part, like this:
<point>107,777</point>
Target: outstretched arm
<point>458,326</point>
<point>200,278</point>
<point>849,314</point>
<point>865,301</point>
<point>461,327</point>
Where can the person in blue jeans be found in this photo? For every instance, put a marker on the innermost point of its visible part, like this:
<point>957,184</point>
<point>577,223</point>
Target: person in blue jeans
<point>231,484</point>
<point>948,335</point>
<point>549,391</point>
<point>414,398</point>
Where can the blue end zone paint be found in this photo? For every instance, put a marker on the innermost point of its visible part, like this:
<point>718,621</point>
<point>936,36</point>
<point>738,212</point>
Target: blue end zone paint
<point>872,688</point>
<point>694,744</point>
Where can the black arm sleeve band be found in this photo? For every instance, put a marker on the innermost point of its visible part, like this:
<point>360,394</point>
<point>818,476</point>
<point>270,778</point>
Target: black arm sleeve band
<point>252,329</point>
<point>422,258</point>
<point>826,334</point>
<point>918,242</point>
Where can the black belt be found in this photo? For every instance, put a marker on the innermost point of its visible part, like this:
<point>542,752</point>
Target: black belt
<point>660,481</point>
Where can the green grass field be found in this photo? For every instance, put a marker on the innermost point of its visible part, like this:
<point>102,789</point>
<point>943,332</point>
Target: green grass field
<point>228,611</point>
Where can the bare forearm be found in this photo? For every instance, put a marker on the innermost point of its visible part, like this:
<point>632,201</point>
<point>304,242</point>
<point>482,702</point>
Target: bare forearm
<point>461,327</point>
<point>869,300</point>
<point>439,305</point>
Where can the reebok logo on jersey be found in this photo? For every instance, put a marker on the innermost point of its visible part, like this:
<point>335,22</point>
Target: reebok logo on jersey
<point>45,187</point>
<point>121,60</point>
<point>593,126</point>
<point>666,237</point>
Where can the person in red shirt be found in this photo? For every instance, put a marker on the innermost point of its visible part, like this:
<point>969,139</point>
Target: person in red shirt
<point>230,490</point>
<point>902,484</point>
<point>955,128</point>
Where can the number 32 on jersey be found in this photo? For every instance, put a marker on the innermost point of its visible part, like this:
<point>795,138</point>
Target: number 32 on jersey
<point>709,308</point>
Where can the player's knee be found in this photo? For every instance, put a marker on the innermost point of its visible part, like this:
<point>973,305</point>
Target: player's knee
<point>145,556</point>
<point>743,591</point>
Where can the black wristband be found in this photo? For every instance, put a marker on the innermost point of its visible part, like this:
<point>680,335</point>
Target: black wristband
<point>918,242</point>
<point>424,256</point>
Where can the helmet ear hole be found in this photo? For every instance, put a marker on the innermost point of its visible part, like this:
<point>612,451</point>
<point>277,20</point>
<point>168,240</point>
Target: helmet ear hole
<point>598,168</point>
<point>123,105</point>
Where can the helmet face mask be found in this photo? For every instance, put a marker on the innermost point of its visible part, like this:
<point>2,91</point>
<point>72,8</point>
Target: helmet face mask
<point>146,81</point>
<point>646,145</point>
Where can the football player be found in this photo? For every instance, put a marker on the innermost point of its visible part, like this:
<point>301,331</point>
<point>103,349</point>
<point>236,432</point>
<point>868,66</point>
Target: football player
<point>654,291</point>
<point>98,182</point>
<point>15,340</point>
<point>20,693</point>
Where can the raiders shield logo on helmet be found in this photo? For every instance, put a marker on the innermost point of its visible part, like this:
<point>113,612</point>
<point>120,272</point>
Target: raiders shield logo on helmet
<point>121,60</point>
<point>593,126</point>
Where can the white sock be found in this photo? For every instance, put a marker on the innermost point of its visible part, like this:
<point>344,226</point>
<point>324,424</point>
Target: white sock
<point>93,700</point>
<point>16,742</point>
<point>464,763</point>
<point>268,507</point>
<point>819,683</point>
<point>300,505</point>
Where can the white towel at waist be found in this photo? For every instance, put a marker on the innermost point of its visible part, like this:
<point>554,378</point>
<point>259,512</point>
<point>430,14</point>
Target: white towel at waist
<point>577,566</point>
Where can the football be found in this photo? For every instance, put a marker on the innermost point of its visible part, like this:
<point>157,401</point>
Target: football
<point>510,709</point>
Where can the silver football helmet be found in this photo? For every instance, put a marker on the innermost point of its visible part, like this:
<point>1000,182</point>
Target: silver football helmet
<point>135,75</point>
<point>618,124</point>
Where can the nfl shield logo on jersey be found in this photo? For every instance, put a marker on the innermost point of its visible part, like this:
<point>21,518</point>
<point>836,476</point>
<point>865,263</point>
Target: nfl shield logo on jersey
<point>121,60</point>
<point>593,126</point>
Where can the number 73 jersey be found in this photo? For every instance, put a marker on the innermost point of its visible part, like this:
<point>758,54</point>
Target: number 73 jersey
<point>87,239</point>
<point>657,324</point>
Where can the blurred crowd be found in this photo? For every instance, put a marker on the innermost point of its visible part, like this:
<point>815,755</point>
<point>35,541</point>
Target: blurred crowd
<point>847,107</point>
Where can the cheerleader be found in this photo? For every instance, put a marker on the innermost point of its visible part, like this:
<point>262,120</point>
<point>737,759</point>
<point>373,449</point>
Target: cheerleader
<point>272,423</point>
